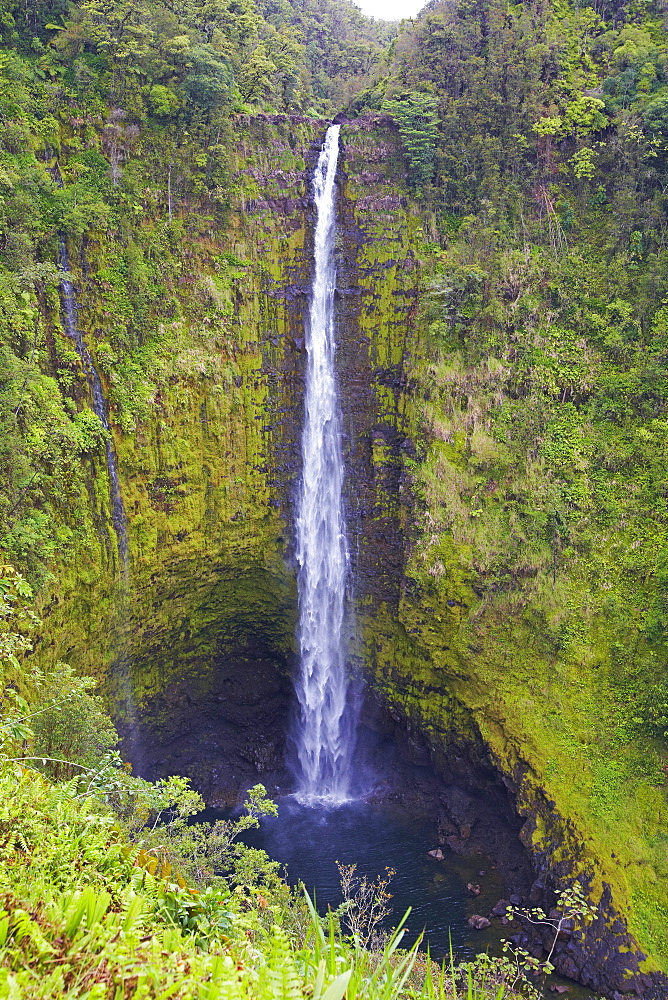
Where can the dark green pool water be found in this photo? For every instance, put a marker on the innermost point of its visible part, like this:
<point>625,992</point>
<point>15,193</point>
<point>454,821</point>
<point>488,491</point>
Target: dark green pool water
<point>310,841</point>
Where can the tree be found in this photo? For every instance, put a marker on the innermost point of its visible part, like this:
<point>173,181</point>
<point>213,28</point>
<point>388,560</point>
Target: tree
<point>255,77</point>
<point>416,117</point>
<point>655,115</point>
<point>572,911</point>
<point>209,80</point>
<point>71,725</point>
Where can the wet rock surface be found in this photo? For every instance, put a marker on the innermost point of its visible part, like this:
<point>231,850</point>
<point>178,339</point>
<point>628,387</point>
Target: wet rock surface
<point>466,798</point>
<point>476,810</point>
<point>226,736</point>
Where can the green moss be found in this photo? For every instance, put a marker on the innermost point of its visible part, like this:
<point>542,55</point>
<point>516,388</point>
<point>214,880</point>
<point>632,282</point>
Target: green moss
<point>192,414</point>
<point>198,413</point>
<point>487,644</point>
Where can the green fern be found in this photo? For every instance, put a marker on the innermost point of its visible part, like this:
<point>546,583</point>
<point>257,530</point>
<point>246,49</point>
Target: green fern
<point>280,980</point>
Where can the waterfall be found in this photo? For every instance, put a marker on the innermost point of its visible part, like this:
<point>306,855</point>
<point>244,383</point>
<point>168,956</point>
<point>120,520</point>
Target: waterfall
<point>69,313</point>
<point>326,726</point>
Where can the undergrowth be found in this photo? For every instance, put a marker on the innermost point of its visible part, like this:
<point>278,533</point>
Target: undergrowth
<point>110,889</point>
<point>86,915</point>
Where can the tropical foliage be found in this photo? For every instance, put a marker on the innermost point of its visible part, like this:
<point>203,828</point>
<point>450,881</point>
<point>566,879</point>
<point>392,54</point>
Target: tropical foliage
<point>94,903</point>
<point>534,137</point>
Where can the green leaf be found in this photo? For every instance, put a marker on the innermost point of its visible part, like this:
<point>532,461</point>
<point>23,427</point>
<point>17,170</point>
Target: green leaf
<point>336,989</point>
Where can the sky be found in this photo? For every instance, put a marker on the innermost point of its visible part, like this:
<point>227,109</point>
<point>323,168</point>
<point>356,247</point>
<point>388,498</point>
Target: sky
<point>390,10</point>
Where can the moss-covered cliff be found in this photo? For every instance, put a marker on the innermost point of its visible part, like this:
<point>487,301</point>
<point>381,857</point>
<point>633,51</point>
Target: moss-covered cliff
<point>196,648</point>
<point>502,289</point>
<point>497,642</point>
<point>206,414</point>
<point>508,598</point>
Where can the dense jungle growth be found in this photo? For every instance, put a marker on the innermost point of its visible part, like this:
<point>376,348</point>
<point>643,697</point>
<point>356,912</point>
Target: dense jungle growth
<point>165,146</point>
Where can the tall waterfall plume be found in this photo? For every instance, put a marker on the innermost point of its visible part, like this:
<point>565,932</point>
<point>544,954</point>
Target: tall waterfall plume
<point>326,727</point>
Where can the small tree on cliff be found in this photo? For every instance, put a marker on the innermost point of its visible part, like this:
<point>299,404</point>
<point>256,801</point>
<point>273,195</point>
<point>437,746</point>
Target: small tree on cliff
<point>572,910</point>
<point>416,117</point>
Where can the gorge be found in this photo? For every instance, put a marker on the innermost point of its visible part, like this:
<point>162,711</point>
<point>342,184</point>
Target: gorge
<point>480,486</point>
<point>210,643</point>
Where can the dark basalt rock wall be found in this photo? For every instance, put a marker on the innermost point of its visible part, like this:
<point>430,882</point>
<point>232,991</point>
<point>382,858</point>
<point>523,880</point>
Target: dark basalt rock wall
<point>478,808</point>
<point>217,687</point>
<point>378,278</point>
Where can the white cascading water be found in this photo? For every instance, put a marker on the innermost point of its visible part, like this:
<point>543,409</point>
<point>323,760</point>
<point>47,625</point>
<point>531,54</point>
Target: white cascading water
<point>325,731</point>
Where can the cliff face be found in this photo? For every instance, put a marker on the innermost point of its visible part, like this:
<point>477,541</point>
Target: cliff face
<point>469,687</point>
<point>196,648</point>
<point>206,477</point>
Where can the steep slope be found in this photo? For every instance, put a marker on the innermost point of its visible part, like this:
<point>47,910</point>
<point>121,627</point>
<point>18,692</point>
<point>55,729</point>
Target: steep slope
<point>533,597</point>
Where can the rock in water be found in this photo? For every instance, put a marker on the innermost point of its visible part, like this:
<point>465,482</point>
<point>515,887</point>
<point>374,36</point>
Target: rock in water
<point>500,908</point>
<point>473,888</point>
<point>478,923</point>
<point>437,853</point>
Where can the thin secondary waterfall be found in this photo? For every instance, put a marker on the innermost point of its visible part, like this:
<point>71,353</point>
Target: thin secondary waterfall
<point>325,733</point>
<point>69,303</point>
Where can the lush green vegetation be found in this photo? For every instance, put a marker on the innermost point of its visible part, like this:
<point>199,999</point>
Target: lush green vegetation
<point>93,899</point>
<point>543,477</point>
<point>111,114</point>
<point>535,145</point>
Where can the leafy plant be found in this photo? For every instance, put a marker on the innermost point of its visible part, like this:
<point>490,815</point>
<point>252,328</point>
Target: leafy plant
<point>416,116</point>
<point>365,904</point>
<point>572,910</point>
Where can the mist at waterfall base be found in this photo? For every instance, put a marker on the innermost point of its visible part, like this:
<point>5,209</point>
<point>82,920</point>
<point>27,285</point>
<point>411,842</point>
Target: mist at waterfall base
<point>376,836</point>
